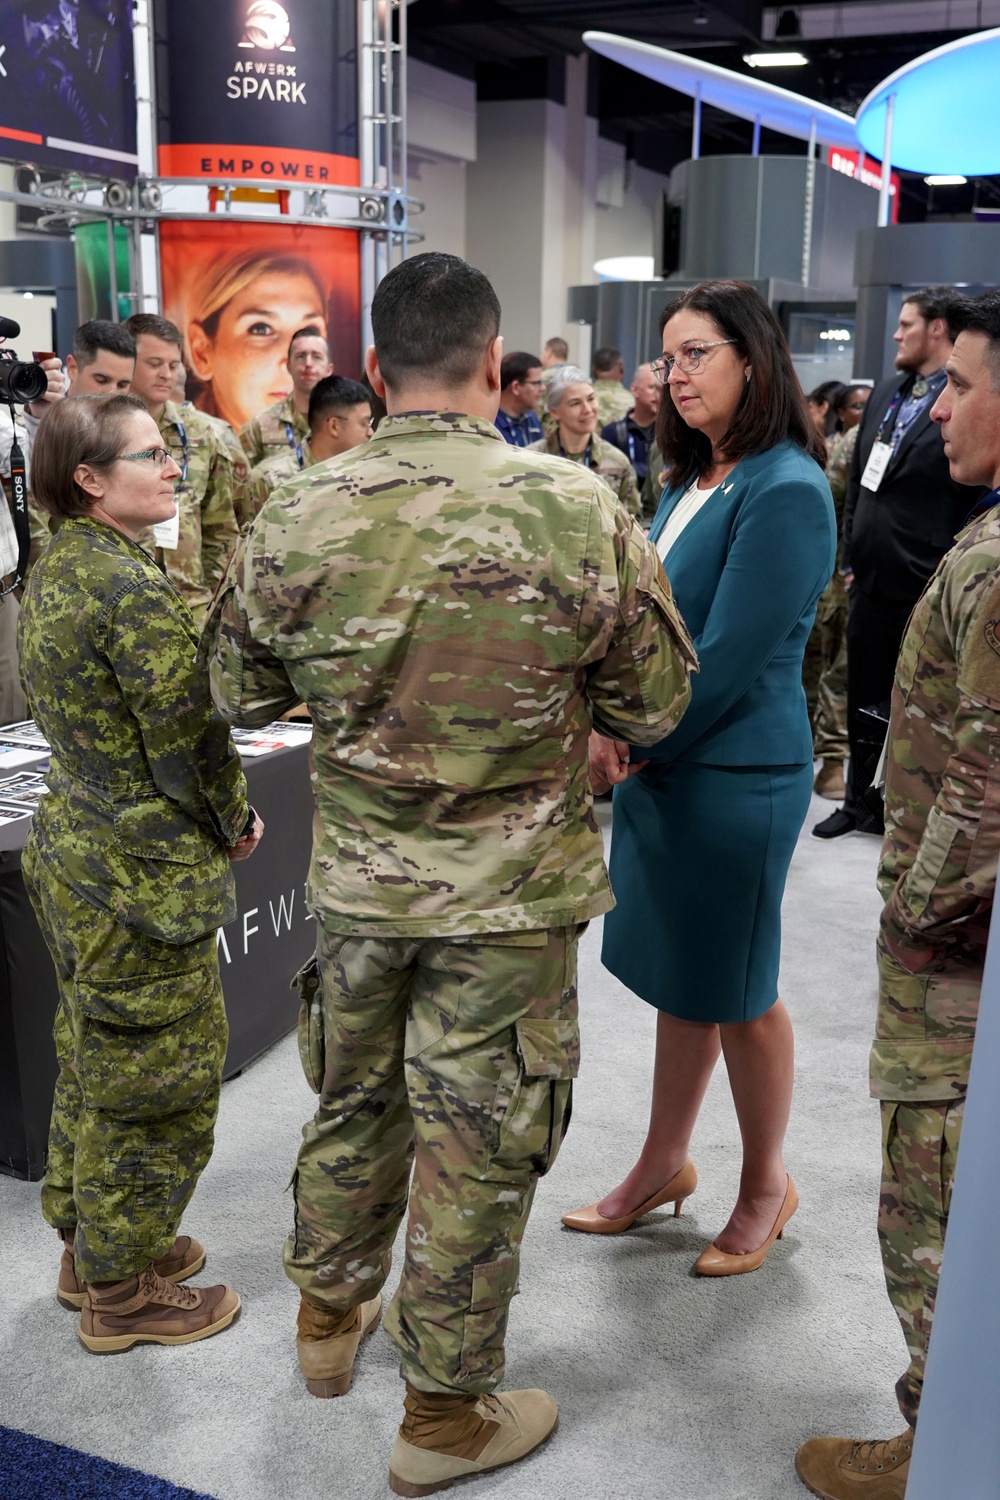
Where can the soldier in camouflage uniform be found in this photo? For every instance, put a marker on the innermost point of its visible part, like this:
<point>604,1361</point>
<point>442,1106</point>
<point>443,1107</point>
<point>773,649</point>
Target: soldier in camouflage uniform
<point>573,406</point>
<point>614,399</point>
<point>126,866</point>
<point>194,548</point>
<point>278,428</point>
<point>937,876</point>
<point>824,668</point>
<point>340,417</point>
<point>454,631</point>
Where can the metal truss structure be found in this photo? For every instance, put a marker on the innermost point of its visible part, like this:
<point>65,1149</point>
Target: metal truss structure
<point>379,209</point>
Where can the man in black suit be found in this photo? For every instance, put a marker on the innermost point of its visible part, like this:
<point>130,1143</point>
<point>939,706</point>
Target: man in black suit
<point>900,517</point>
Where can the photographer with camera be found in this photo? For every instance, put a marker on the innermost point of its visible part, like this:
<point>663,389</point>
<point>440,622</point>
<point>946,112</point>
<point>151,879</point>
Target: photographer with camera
<point>20,384</point>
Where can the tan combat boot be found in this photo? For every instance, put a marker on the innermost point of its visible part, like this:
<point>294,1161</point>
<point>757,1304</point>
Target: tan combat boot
<point>329,1340</point>
<point>843,1469</point>
<point>829,781</point>
<point>145,1309</point>
<point>185,1258</point>
<point>444,1438</point>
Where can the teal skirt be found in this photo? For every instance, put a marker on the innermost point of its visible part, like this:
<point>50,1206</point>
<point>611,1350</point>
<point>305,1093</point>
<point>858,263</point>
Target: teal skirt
<point>699,858</point>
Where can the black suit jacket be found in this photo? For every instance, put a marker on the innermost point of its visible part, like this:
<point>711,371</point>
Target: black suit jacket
<point>895,537</point>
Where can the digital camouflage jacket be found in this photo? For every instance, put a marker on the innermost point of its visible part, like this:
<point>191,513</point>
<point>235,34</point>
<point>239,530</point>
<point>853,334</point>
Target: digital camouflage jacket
<point>456,613</point>
<point>267,433</point>
<point>146,786</point>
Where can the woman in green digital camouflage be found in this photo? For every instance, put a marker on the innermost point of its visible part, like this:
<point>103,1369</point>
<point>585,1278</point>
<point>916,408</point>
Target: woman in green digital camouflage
<point>128,868</point>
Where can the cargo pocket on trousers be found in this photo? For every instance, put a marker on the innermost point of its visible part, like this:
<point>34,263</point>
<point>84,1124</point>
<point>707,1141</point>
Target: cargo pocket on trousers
<point>539,1103</point>
<point>312,1043</point>
<point>137,1197</point>
<point>152,1048</point>
<point>493,1285</point>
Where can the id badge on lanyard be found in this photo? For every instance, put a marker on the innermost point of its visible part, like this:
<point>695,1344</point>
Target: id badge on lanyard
<point>166,534</point>
<point>878,462</point>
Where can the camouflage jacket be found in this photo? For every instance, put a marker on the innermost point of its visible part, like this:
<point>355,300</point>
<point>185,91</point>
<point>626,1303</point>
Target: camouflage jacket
<point>145,786</point>
<point>654,483</point>
<point>942,815</point>
<point>274,430</point>
<point>613,401</point>
<point>838,472</point>
<point>604,459</point>
<point>455,623</point>
<point>206,507</point>
<point>269,476</point>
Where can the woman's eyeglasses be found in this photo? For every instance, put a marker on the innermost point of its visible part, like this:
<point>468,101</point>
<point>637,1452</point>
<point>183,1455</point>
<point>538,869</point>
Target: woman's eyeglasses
<point>158,455</point>
<point>687,358</point>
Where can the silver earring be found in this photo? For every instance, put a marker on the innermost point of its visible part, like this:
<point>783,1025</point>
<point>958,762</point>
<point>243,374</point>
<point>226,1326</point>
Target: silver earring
<point>747,376</point>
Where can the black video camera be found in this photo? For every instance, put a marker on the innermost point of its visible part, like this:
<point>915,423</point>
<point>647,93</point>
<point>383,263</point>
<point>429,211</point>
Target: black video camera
<point>19,383</point>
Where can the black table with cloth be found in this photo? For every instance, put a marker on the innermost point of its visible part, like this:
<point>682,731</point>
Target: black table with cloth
<point>259,954</point>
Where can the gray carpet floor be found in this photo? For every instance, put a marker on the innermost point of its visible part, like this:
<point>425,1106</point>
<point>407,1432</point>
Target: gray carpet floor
<point>669,1386</point>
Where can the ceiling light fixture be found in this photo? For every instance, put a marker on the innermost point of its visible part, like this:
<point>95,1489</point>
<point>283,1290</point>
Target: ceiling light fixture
<point>775,59</point>
<point>945,179</point>
<point>700,16</point>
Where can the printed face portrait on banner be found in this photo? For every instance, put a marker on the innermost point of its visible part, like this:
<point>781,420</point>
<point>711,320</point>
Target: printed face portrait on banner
<point>239,291</point>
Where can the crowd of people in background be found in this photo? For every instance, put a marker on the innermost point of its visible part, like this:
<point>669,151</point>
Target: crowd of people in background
<point>155,524</point>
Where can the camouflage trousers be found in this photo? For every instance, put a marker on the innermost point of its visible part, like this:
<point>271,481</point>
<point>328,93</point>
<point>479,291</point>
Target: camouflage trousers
<point>919,1151</point>
<point>454,1056</point>
<point>824,674</point>
<point>140,1038</point>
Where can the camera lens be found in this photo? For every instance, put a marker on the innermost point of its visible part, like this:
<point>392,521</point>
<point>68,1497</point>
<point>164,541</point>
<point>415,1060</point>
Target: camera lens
<point>21,382</point>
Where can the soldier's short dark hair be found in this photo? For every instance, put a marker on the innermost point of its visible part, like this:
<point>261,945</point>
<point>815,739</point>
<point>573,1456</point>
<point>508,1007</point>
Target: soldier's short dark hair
<point>155,326</point>
<point>517,366</point>
<point>935,302</point>
<point>559,348</point>
<point>334,395</point>
<point>310,331</point>
<point>80,430</point>
<point>100,333</point>
<point>433,315</point>
<point>980,315</point>
<point>605,359</point>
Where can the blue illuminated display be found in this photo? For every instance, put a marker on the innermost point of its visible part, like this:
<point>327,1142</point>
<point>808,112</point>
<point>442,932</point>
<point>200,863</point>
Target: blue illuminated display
<point>946,116</point>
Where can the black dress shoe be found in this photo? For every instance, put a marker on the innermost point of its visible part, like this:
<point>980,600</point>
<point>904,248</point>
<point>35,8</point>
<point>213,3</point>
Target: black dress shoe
<point>837,823</point>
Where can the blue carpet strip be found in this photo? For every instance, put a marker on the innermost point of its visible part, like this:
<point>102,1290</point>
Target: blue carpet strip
<point>31,1469</point>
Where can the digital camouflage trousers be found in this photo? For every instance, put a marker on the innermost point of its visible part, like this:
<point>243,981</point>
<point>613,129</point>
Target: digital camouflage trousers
<point>456,1057</point>
<point>919,1151</point>
<point>140,1038</point>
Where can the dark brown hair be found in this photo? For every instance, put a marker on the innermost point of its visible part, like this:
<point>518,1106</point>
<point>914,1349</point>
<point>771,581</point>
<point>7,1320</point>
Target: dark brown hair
<point>155,326</point>
<point>80,430</point>
<point>771,405</point>
<point>310,331</point>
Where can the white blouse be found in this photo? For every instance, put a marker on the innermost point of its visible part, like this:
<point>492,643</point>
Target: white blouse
<point>682,514</point>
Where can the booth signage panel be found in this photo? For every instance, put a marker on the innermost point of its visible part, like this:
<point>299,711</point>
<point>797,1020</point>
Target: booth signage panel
<point>242,85</point>
<point>238,291</point>
<point>843,160</point>
<point>67,86</point>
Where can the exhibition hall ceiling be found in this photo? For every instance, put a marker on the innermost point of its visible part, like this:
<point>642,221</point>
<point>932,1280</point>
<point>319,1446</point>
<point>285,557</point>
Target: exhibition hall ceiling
<point>513,48</point>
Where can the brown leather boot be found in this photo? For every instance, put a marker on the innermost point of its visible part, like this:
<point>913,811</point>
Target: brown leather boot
<point>829,781</point>
<point>145,1309</point>
<point>328,1342</point>
<point>844,1469</point>
<point>185,1258</point>
<point>444,1438</point>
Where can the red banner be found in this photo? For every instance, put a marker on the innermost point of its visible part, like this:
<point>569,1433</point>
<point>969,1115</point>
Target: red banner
<point>238,292</point>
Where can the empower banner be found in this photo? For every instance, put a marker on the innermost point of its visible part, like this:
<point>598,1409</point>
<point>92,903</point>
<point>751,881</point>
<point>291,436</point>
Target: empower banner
<point>67,85</point>
<point>251,88</point>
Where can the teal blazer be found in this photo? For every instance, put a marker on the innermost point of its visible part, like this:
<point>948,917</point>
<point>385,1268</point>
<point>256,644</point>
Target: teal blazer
<point>746,573</point>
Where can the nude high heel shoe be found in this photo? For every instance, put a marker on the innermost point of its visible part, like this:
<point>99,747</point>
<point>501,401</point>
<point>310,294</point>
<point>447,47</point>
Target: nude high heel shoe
<point>680,1186</point>
<point>715,1262</point>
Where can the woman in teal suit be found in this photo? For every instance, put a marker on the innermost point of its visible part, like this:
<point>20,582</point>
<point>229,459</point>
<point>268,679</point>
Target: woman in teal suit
<point>706,823</point>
